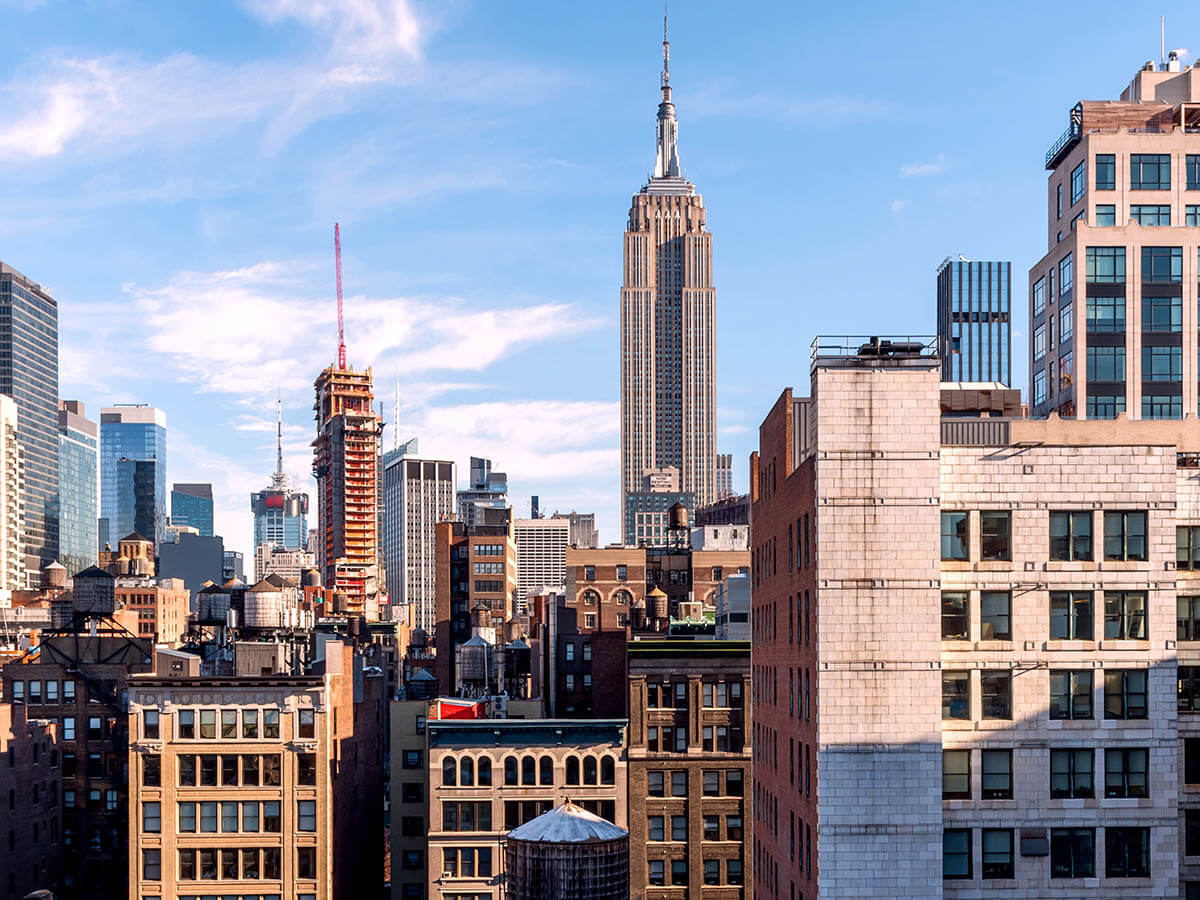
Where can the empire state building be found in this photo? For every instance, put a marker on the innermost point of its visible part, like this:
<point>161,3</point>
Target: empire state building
<point>668,401</point>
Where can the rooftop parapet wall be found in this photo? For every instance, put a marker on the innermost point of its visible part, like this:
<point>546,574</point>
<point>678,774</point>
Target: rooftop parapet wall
<point>1183,434</point>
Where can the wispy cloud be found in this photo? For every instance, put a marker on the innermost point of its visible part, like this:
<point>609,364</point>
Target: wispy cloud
<point>897,206</point>
<point>370,27</point>
<point>921,169</point>
<point>726,100</point>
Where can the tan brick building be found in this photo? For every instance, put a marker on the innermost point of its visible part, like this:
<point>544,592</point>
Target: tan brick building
<point>159,607</point>
<point>257,785</point>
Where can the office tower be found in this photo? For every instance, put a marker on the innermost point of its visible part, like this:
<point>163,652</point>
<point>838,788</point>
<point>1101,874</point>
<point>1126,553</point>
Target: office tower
<point>1031,720</point>
<point>668,400</point>
<point>488,490</point>
<point>78,498</point>
<point>417,494</point>
<point>689,768</point>
<point>647,510</point>
<point>29,374</point>
<point>280,513</point>
<point>346,465</point>
<point>233,566</point>
<point>973,320</point>
<point>724,476</point>
<point>13,573</point>
<point>293,814</point>
<point>289,564</point>
<point>133,472</point>
<point>192,505</point>
<point>1122,183</point>
<point>541,555</point>
<point>582,527</point>
<point>194,559</point>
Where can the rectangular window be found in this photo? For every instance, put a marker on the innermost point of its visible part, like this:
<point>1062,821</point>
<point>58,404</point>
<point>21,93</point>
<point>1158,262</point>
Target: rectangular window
<point>270,816</point>
<point>152,864</point>
<point>1126,772</point>
<point>1106,363</point>
<point>656,829</point>
<point>997,774</point>
<point>1162,264</point>
<point>1191,835</point>
<point>306,862</point>
<point>186,723</point>
<point>998,852</point>
<point>150,724</point>
<point>308,723</point>
<point>208,770</point>
<point>1125,615</point>
<point>1127,852</point>
<point>1187,618</point>
<point>250,815</point>
<point>654,784</point>
<point>1105,265</point>
<point>1038,300</point>
<point>1162,364</point>
<point>1150,171</point>
<point>1070,615</point>
<point>152,817</point>
<point>1105,406</point>
<point>229,724</point>
<point>250,770</point>
<point>1125,535</point>
<point>1191,215</point>
<point>208,817</point>
<point>271,724</point>
<point>1187,547</point>
<point>306,768</point>
<point>187,770</point>
<point>1070,694</point>
<point>1191,168</point>
<point>270,770</point>
<point>956,695</point>
<point>1058,202</point>
<point>1191,761</point>
<point>956,774</point>
<point>1162,314</point>
<point>995,615</point>
<point>229,816</point>
<point>1105,314</point>
<point>250,724</point>
<point>1070,536</point>
<point>996,691</point>
<point>1106,215</point>
<point>656,872</point>
<point>1162,406</point>
<point>1039,387</point>
<point>1072,853</point>
<point>1078,182</point>
<point>995,528</point>
<point>956,853</point>
<point>1106,172</point>
<point>679,784</point>
<point>1151,215</point>
<point>151,770</point>
<point>208,724</point>
<point>1125,694</point>
<point>955,616</point>
<point>1066,326</point>
<point>1071,773</point>
<point>187,817</point>
<point>1188,681</point>
<point>679,828</point>
<point>1039,342</point>
<point>1066,276</point>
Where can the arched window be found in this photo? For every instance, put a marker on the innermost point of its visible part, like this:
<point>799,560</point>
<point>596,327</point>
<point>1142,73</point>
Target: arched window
<point>622,597</point>
<point>528,775</point>
<point>546,765</point>
<point>589,770</point>
<point>510,770</point>
<point>572,770</point>
<point>608,770</point>
<point>485,772</point>
<point>466,772</point>
<point>449,772</point>
<point>590,598</point>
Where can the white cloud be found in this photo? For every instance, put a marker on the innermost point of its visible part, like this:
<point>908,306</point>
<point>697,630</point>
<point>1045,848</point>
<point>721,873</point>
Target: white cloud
<point>918,170</point>
<point>897,206</point>
<point>375,27</point>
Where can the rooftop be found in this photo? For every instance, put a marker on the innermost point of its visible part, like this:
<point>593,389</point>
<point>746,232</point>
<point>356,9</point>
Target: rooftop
<point>568,824</point>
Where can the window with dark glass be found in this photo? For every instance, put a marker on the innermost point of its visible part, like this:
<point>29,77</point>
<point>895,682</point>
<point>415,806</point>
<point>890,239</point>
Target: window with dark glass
<point>1125,535</point>
<point>1191,832</point>
<point>1150,171</point>
<point>1038,300</point>
<point>306,768</point>
<point>955,536</point>
<point>1106,363</point>
<point>1125,694</point>
<point>1151,214</point>
<point>1072,773</point>
<point>1070,694</point>
<point>1105,314</point>
<point>1162,406</point>
<point>1070,615</point>
<point>1191,761</point>
<point>1188,680</point>
<point>1126,772</point>
<point>1187,547</point>
<point>1106,215</point>
<point>956,853</point>
<point>1162,264</point>
<point>1070,536</point>
<point>996,694</point>
<point>1072,853</point>
<point>995,528</point>
<point>1162,314</point>
<point>996,774</point>
<point>1187,621</point>
<point>955,616</point>
<point>1162,363</point>
<point>1125,615</point>
<point>956,774</point>
<point>1105,265</point>
<point>997,853</point>
<point>1078,182</point>
<point>1127,852</point>
<point>995,615</point>
<point>956,695</point>
<point>152,770</point>
<point>1106,172</point>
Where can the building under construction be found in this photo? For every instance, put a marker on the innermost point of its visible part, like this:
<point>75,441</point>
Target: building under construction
<point>346,466</point>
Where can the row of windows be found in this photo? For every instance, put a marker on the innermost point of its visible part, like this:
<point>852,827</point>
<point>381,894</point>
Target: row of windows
<point>35,693</point>
<point>715,694</point>
<point>468,771</point>
<point>232,816</point>
<point>1072,853</point>
<point>242,770</point>
<point>658,782</point>
<point>223,724</point>
<point>1071,615</point>
<point>1070,535</point>
<point>1071,692</point>
<point>656,872</point>
<point>1126,773</point>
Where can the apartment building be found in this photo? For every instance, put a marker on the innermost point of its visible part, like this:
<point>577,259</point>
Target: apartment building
<point>1123,197</point>
<point>689,769</point>
<point>257,786</point>
<point>968,633</point>
<point>29,795</point>
<point>154,608</point>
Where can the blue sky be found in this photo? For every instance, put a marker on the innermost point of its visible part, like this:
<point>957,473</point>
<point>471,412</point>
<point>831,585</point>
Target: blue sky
<point>173,171</point>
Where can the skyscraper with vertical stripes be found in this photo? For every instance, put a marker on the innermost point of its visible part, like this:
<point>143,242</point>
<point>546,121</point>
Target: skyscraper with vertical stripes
<point>974,320</point>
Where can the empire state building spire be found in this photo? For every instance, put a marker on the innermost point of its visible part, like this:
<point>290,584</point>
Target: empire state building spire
<point>666,161</point>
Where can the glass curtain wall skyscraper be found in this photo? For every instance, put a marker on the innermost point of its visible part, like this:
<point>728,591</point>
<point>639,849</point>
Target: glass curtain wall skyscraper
<point>192,505</point>
<point>129,434</point>
<point>974,321</point>
<point>29,374</point>
<point>78,462</point>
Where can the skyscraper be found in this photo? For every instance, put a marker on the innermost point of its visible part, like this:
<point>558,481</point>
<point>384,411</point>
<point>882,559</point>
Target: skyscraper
<point>133,497</point>
<point>13,575</point>
<point>541,555</point>
<point>668,405</point>
<point>974,326</point>
<point>488,490</point>
<point>78,461</point>
<point>280,513</point>
<point>346,466</point>
<point>29,374</point>
<point>192,504</point>
<point>417,494</point>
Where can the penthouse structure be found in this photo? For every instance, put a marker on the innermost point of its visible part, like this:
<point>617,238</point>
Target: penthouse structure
<point>1123,197</point>
<point>1030,718</point>
<point>346,466</point>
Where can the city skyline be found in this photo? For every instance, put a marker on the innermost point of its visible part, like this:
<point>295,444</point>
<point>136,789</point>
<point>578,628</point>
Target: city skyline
<point>200,223</point>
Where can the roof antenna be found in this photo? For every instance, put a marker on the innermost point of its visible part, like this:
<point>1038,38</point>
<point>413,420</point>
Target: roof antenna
<point>1162,54</point>
<point>278,433</point>
<point>396,413</point>
<point>666,75</point>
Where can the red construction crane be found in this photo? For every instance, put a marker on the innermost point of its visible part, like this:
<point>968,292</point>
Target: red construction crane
<point>337,253</point>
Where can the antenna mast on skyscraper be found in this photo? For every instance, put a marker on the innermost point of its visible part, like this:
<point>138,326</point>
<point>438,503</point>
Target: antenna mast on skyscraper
<point>666,76</point>
<point>278,435</point>
<point>396,413</point>
<point>337,253</point>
